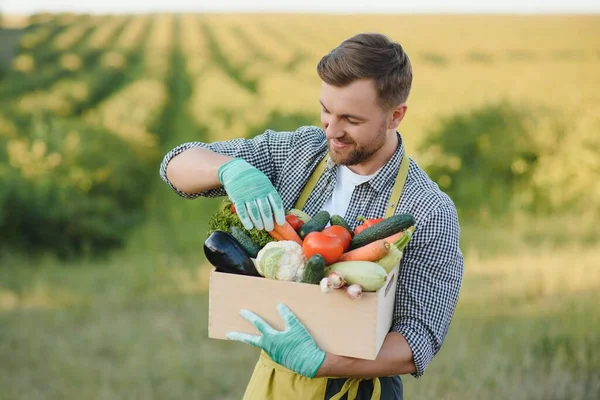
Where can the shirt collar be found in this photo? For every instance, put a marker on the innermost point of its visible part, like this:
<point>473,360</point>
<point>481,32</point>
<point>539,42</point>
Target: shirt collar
<point>386,175</point>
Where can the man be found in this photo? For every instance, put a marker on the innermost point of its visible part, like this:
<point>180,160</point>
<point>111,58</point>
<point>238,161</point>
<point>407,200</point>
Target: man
<point>365,85</point>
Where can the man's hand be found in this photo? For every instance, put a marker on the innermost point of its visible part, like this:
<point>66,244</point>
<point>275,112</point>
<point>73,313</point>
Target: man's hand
<point>256,200</point>
<point>293,348</point>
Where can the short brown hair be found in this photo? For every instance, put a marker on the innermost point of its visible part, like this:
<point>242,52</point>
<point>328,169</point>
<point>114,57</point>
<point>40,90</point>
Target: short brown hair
<point>370,55</point>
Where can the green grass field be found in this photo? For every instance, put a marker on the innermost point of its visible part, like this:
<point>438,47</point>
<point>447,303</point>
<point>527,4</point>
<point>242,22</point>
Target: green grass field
<point>133,322</point>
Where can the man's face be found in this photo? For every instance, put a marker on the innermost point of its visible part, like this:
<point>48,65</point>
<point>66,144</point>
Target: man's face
<point>354,122</point>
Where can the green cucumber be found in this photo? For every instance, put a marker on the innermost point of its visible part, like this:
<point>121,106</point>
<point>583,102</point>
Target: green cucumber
<point>314,270</point>
<point>385,228</point>
<point>316,224</point>
<point>339,220</point>
<point>247,243</point>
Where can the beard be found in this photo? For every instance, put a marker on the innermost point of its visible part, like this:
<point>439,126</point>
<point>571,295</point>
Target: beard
<point>356,154</point>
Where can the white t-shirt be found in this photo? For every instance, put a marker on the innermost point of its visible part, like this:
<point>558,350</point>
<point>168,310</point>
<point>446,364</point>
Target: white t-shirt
<point>345,183</point>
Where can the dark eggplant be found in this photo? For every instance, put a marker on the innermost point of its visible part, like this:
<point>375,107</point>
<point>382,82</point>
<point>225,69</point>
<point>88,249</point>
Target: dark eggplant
<point>227,254</point>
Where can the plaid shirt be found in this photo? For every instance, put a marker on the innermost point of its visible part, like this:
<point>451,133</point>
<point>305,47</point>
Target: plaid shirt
<point>431,269</point>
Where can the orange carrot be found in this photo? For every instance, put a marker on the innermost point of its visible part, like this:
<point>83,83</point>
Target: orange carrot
<point>276,235</point>
<point>287,232</point>
<point>394,237</point>
<point>370,252</point>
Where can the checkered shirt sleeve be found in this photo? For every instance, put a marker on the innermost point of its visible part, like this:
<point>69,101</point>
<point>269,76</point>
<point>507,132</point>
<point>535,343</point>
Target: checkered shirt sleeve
<point>429,282</point>
<point>266,152</point>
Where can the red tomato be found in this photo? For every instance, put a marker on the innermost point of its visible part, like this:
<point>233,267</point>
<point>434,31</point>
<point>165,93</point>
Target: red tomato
<point>341,233</point>
<point>294,221</point>
<point>367,224</point>
<point>233,208</point>
<point>330,247</point>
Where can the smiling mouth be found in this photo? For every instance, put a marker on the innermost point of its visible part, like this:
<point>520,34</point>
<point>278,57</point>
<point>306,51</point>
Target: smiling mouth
<point>338,142</point>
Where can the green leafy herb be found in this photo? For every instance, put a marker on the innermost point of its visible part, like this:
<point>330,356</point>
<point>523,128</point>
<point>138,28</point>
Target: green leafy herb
<point>224,218</point>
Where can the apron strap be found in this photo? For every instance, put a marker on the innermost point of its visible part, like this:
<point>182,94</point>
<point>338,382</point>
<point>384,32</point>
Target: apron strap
<point>398,186</point>
<point>394,198</point>
<point>312,182</point>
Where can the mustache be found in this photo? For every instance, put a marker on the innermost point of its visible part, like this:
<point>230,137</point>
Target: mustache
<point>344,140</point>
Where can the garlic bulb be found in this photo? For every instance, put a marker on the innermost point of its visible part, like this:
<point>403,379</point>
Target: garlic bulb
<point>337,280</point>
<point>354,291</point>
<point>326,286</point>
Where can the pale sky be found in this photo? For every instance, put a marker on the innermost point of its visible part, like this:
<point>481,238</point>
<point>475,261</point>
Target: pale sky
<point>336,6</point>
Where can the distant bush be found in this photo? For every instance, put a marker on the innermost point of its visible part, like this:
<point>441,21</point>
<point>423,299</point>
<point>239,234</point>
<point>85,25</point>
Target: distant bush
<point>502,158</point>
<point>68,187</point>
<point>434,58</point>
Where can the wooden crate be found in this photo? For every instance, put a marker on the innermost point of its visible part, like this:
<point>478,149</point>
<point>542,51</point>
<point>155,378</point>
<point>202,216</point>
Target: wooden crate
<point>339,325</point>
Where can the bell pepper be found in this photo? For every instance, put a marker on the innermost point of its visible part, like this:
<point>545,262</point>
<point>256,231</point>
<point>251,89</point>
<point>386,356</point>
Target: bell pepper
<point>366,223</point>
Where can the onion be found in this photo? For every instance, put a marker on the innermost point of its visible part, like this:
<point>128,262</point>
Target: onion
<point>354,291</point>
<point>337,280</point>
<point>326,285</point>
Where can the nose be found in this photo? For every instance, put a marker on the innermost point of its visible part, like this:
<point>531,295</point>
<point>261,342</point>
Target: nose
<point>332,130</point>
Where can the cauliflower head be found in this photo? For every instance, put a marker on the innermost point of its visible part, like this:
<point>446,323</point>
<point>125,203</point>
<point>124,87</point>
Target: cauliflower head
<point>283,260</point>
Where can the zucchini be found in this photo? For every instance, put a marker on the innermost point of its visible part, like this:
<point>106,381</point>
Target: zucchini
<point>316,224</point>
<point>383,229</point>
<point>403,241</point>
<point>339,220</point>
<point>245,241</point>
<point>314,270</point>
<point>368,274</point>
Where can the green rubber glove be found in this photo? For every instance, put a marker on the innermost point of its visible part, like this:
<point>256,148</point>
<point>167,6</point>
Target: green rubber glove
<point>293,348</point>
<point>256,200</point>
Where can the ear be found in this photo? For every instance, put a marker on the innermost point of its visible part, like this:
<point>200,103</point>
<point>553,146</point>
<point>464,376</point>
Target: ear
<point>398,114</point>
